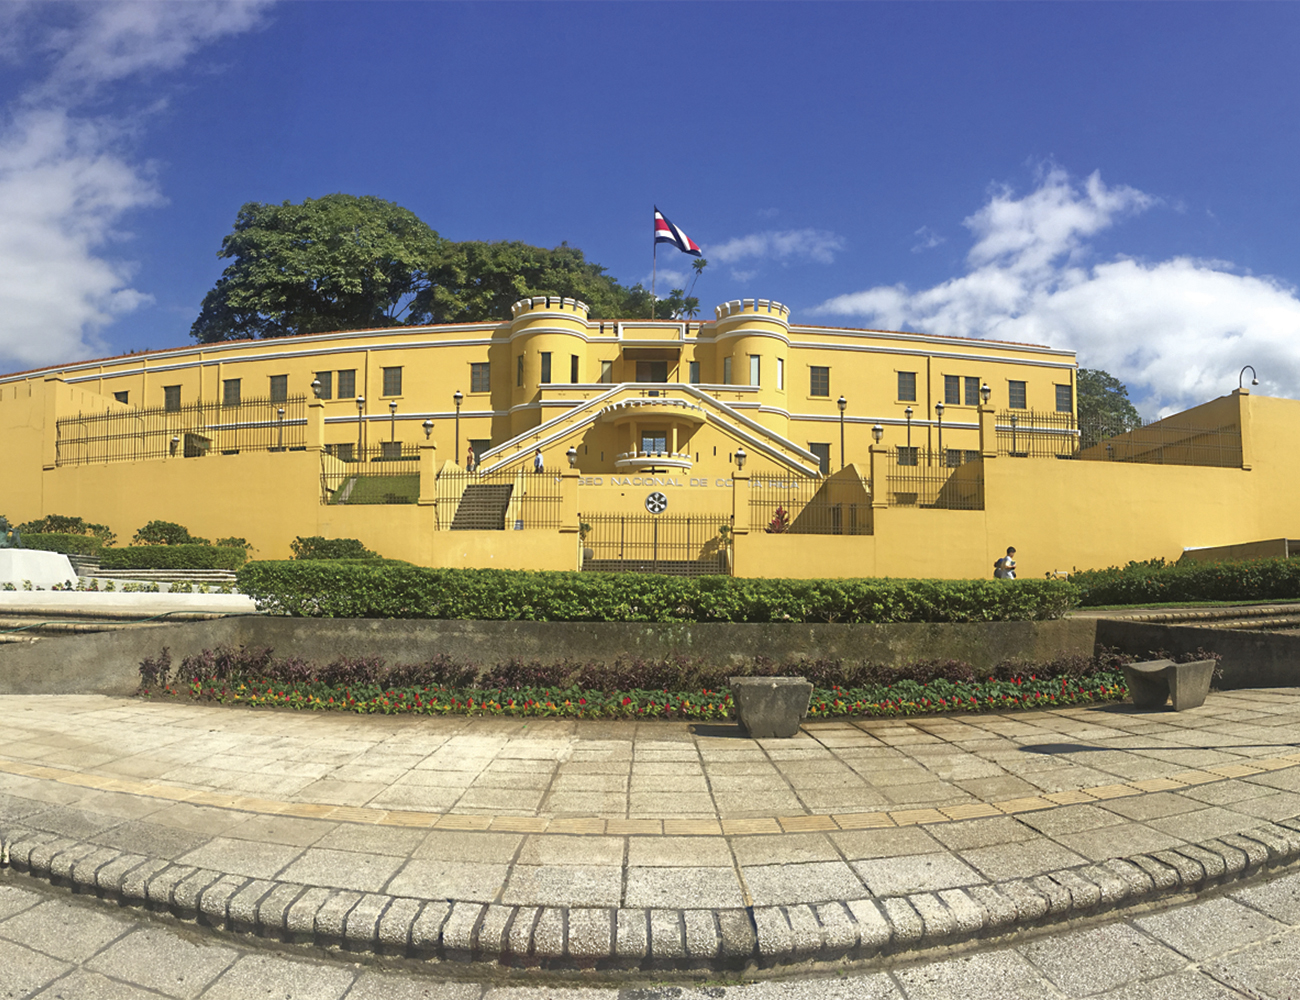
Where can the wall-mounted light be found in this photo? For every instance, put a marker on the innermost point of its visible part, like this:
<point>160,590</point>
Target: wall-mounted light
<point>1253,379</point>
<point>572,456</point>
<point>740,458</point>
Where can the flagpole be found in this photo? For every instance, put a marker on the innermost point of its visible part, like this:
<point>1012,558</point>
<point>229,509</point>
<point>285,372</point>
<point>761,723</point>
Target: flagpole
<point>654,272</point>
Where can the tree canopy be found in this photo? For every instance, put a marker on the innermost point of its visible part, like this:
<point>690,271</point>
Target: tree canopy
<point>1103,399</point>
<point>347,263</point>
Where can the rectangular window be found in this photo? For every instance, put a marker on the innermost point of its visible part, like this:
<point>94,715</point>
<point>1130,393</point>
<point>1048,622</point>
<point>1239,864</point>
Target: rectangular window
<point>573,369</point>
<point>546,368</point>
<point>754,366</point>
<point>519,370</point>
<point>344,452</point>
<point>971,456</point>
<point>171,398</point>
<point>695,373</point>
<point>607,372</point>
<point>230,392</point>
<point>654,442</point>
<point>907,386</point>
<point>972,391</point>
<point>726,371</point>
<point>121,397</point>
<point>480,376</point>
<point>1064,399</point>
<point>819,381</point>
<point>952,457</point>
<point>780,374</point>
<point>906,455</point>
<point>348,384</point>
<point>652,371</point>
<point>279,388</point>
<point>952,390</point>
<point>390,450</point>
<point>823,453</point>
<point>326,380</point>
<point>1016,395</point>
<point>392,382</point>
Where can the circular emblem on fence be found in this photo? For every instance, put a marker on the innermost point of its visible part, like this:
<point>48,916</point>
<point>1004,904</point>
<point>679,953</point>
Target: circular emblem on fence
<point>656,503</point>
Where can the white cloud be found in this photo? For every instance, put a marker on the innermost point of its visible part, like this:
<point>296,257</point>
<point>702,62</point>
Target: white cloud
<point>743,276</point>
<point>799,244</point>
<point>1177,331</point>
<point>68,180</point>
<point>928,239</point>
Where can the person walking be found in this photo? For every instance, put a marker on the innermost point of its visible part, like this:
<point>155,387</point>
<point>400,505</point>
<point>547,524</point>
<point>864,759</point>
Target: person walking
<point>469,459</point>
<point>1005,568</point>
<point>538,462</point>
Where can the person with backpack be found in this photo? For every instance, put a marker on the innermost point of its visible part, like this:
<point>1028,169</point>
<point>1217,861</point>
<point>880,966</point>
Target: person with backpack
<point>1005,568</point>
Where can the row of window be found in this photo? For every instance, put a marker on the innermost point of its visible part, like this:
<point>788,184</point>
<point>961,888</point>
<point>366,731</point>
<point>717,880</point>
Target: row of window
<point>964,390</point>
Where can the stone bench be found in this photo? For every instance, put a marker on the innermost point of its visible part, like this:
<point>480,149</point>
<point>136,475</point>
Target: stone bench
<point>771,707</point>
<point>1154,682</point>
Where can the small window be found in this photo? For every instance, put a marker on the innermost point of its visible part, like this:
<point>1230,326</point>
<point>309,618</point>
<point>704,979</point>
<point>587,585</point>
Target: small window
<point>480,376</point>
<point>971,456</point>
<point>754,368</point>
<point>823,453</point>
<point>907,455</point>
<point>279,388</point>
<point>326,380</point>
<point>1064,399</point>
<point>726,371</point>
<point>519,370</point>
<point>972,386</point>
<point>390,451</point>
<point>230,392</point>
<point>952,457</point>
<point>652,371</point>
<point>819,381</point>
<point>171,398</point>
<point>695,373</point>
<point>392,382</point>
<point>607,372</point>
<point>1016,395</point>
<point>348,384</point>
<point>952,390</point>
<point>573,368</point>
<point>546,367</point>
<point>654,442</point>
<point>780,374</point>
<point>344,452</point>
<point>122,397</point>
<point>907,386</point>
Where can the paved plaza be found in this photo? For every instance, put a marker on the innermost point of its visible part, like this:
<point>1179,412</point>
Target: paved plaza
<point>656,846</point>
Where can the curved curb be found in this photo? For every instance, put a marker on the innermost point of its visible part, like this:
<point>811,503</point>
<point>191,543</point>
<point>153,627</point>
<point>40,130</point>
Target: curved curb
<point>639,939</point>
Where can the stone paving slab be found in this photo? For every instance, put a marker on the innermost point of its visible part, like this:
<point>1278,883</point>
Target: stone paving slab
<point>168,806</point>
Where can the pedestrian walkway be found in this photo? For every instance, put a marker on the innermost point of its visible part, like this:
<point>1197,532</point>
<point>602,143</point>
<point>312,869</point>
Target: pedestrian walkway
<point>653,845</point>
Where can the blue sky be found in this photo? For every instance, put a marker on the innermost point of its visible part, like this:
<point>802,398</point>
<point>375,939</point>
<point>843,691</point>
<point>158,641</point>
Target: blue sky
<point>1118,179</point>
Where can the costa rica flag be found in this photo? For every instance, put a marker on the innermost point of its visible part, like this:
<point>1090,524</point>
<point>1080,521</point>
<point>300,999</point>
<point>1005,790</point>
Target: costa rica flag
<point>666,232</point>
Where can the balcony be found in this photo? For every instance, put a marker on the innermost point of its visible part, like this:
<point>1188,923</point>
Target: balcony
<point>648,459</point>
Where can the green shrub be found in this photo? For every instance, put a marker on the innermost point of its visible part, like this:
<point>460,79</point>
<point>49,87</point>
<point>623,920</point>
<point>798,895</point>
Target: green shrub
<point>235,542</point>
<point>318,547</point>
<point>386,590</point>
<point>62,524</point>
<point>167,533</point>
<point>62,542</point>
<point>1157,582</point>
<point>172,557</point>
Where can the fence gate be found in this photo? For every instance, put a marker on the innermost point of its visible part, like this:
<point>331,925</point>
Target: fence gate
<point>654,543</point>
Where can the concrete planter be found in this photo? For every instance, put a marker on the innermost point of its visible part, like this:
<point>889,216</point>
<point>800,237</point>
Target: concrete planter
<point>1155,682</point>
<point>771,706</point>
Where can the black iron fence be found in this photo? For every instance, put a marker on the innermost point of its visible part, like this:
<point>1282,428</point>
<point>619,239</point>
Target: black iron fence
<point>1172,441</point>
<point>683,545</point>
<point>944,480</point>
<point>380,474</point>
<point>497,501</point>
<point>190,431</point>
<point>803,505</point>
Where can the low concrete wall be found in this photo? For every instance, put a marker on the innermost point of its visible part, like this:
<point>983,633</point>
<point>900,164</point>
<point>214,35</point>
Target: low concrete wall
<point>1250,659</point>
<point>107,662</point>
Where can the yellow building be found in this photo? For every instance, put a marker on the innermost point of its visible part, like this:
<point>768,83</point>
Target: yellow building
<point>744,443</point>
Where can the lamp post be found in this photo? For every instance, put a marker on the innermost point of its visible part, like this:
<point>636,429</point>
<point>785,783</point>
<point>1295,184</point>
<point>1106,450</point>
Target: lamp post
<point>428,429</point>
<point>279,444</point>
<point>361,405</point>
<point>985,393</point>
<point>316,387</point>
<point>908,413</point>
<point>740,459</point>
<point>877,432</point>
<point>842,403</point>
<point>457,398</point>
<point>1014,420</point>
<point>1254,380</point>
<point>392,420</point>
<point>572,456</point>
<point>938,409</point>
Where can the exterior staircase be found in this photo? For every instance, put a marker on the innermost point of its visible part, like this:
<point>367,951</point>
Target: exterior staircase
<point>483,507</point>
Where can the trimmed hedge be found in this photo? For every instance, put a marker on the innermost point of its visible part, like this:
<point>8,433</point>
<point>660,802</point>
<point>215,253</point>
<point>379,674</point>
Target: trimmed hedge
<point>172,557</point>
<point>319,547</point>
<point>56,541</point>
<point>322,589</point>
<point>1157,582</point>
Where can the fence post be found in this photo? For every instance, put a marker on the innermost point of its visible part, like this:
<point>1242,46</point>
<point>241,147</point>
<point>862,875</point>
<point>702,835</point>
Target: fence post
<point>428,474</point>
<point>569,501</point>
<point>879,465</point>
<point>740,503</point>
<point>988,433</point>
<point>315,426</point>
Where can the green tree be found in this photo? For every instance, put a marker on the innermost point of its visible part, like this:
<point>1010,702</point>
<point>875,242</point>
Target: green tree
<point>1104,407</point>
<point>334,263</point>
